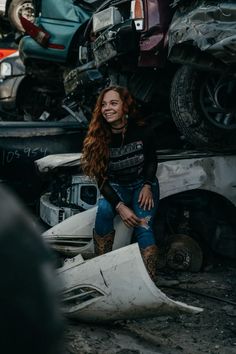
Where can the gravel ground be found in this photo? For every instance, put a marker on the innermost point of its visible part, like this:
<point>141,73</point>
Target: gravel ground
<point>212,331</point>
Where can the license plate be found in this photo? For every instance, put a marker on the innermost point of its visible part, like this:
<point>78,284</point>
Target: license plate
<point>106,18</point>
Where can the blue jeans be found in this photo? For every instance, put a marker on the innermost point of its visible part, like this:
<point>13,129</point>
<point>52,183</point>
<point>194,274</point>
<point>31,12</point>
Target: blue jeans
<point>129,194</point>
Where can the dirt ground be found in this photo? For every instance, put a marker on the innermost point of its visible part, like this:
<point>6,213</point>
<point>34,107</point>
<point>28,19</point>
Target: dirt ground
<point>212,331</point>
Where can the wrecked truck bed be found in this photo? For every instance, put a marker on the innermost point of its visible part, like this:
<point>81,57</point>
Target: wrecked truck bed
<point>114,286</point>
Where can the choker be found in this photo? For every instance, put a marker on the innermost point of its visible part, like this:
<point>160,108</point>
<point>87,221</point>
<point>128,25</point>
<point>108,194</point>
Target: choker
<point>120,128</point>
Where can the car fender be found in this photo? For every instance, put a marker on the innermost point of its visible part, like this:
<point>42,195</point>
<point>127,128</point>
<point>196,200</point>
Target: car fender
<point>213,173</point>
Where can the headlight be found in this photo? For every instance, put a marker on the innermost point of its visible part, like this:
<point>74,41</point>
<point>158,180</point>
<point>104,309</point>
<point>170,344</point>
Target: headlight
<point>5,69</point>
<point>83,192</point>
<point>106,18</point>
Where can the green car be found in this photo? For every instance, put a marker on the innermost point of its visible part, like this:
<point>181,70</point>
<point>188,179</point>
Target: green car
<point>64,22</point>
<point>50,46</point>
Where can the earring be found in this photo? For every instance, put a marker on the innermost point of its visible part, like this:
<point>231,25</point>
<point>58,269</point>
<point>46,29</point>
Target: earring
<point>127,116</point>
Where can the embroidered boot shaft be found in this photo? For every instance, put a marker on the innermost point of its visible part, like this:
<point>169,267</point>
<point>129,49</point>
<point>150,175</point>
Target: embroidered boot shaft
<point>103,244</point>
<point>150,258</point>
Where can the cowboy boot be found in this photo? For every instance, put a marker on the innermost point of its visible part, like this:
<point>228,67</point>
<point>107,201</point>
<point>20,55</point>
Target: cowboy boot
<point>150,257</point>
<point>103,244</point>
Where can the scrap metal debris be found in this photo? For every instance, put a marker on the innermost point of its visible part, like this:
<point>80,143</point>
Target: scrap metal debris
<point>114,286</point>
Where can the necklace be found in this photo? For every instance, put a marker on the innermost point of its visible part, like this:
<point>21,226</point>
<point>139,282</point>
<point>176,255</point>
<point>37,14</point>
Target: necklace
<point>120,128</point>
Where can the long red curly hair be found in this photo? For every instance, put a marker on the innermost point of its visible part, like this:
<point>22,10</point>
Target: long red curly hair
<point>95,153</point>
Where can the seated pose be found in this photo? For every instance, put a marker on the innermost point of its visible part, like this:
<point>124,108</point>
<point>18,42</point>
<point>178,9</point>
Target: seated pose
<point>118,152</point>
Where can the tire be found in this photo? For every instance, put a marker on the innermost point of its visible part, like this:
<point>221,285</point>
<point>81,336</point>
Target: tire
<point>196,114</point>
<point>19,8</point>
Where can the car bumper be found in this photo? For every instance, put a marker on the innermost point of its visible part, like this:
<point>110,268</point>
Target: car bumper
<point>114,286</point>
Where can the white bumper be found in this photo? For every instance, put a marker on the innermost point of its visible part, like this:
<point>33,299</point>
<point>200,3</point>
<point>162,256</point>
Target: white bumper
<point>113,286</point>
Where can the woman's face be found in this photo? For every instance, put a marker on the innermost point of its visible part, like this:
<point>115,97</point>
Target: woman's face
<point>112,108</point>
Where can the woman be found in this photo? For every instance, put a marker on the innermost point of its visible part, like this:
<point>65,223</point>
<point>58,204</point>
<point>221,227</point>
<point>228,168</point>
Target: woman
<point>118,152</point>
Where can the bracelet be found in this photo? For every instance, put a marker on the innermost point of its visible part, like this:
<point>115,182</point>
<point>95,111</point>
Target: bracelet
<point>147,185</point>
<point>118,205</point>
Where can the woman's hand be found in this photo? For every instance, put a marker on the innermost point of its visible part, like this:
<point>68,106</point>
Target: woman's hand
<point>145,198</point>
<point>127,215</point>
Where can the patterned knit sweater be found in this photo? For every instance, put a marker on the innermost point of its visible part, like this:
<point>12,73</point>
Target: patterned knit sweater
<point>132,158</point>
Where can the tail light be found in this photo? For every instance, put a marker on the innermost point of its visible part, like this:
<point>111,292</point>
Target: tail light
<point>137,14</point>
<point>6,52</point>
<point>37,33</point>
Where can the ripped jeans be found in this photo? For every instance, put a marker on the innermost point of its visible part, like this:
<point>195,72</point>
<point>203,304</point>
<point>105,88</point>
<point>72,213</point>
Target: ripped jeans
<point>129,194</point>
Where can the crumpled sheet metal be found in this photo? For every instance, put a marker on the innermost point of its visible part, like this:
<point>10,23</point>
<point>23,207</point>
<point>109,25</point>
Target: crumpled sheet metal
<point>51,162</point>
<point>66,10</point>
<point>114,286</point>
<point>210,27</point>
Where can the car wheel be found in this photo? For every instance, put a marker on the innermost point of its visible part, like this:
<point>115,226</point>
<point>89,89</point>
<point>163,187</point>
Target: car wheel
<point>203,107</point>
<point>19,8</point>
<point>184,253</point>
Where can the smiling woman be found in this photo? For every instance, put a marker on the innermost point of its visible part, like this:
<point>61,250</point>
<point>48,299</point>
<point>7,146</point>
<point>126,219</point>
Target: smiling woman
<point>118,152</point>
<point>112,110</point>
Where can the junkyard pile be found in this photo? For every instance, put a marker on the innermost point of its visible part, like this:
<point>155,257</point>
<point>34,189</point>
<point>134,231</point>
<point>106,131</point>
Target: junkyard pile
<point>212,331</point>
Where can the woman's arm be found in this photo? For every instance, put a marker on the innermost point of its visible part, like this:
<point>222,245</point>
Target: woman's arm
<point>109,193</point>
<point>149,171</point>
<point>127,215</point>
<point>150,158</point>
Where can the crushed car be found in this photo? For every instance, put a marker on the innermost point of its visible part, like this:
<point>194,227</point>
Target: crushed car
<point>51,49</point>
<point>139,44</point>
<point>22,141</point>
